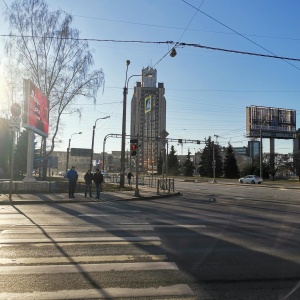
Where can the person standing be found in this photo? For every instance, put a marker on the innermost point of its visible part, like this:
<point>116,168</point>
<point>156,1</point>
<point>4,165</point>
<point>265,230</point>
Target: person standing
<point>72,177</point>
<point>98,179</point>
<point>88,178</point>
<point>129,176</point>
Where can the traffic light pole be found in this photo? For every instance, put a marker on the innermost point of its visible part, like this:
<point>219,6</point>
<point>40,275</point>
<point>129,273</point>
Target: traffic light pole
<point>136,191</point>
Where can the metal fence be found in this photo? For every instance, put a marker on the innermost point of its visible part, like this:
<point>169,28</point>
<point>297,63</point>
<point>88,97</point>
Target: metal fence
<point>27,187</point>
<point>165,186</point>
<point>150,181</point>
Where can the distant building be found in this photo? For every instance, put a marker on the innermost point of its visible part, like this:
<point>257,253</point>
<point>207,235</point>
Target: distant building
<point>82,163</point>
<point>148,118</point>
<point>253,149</point>
<point>240,150</point>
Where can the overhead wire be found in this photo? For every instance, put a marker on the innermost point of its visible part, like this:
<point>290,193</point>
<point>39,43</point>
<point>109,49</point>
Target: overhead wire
<point>182,28</point>
<point>171,43</point>
<point>243,36</point>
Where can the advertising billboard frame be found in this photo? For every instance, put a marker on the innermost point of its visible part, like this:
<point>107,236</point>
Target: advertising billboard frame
<point>36,109</point>
<point>270,122</point>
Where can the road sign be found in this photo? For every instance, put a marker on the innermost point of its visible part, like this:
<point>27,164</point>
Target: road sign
<point>133,141</point>
<point>81,152</point>
<point>15,123</point>
<point>164,134</point>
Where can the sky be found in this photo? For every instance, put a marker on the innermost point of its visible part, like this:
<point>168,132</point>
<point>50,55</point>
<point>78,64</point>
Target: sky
<point>207,91</point>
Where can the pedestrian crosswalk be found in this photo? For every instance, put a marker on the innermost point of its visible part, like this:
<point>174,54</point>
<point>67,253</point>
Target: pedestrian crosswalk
<point>88,262</point>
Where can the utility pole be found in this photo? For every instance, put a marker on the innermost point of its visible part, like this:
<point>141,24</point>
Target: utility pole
<point>122,174</point>
<point>214,164</point>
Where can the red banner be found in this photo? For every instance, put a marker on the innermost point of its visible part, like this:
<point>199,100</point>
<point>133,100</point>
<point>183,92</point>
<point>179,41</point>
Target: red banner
<point>36,109</point>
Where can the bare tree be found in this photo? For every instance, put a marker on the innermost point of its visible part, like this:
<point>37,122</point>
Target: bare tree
<point>50,54</point>
<point>10,82</point>
<point>292,162</point>
<point>273,165</point>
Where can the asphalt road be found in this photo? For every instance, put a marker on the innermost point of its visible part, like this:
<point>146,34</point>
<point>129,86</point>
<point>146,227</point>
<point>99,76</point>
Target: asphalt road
<point>214,242</point>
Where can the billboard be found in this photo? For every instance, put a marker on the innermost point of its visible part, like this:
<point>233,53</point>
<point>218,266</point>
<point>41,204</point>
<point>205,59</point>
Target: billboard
<point>148,104</point>
<point>270,122</point>
<point>81,152</point>
<point>36,109</point>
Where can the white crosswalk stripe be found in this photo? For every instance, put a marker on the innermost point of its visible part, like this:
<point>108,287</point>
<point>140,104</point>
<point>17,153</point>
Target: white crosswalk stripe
<point>107,255</point>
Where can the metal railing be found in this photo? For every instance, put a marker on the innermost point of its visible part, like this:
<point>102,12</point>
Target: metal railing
<point>165,185</point>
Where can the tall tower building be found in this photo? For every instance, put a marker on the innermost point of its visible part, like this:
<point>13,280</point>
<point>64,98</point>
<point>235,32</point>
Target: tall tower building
<point>148,118</point>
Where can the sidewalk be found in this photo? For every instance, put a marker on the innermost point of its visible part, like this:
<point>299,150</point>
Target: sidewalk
<point>42,198</point>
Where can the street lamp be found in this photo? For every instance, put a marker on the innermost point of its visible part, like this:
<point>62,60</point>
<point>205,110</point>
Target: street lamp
<point>69,150</point>
<point>92,152</point>
<point>214,163</point>
<point>125,92</point>
<point>122,179</point>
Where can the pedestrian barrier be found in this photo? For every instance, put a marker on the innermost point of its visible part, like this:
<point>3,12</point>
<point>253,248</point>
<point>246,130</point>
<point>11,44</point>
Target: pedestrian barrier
<point>24,187</point>
<point>165,185</point>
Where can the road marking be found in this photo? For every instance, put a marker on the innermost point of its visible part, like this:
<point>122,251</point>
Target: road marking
<point>78,259</point>
<point>94,215</point>
<point>151,243</point>
<point>82,229</point>
<point>85,268</point>
<point>79,240</point>
<point>178,225</point>
<point>125,227</point>
<point>126,223</point>
<point>106,215</point>
<point>106,293</point>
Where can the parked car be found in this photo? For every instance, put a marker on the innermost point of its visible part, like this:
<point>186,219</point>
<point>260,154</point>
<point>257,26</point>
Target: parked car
<point>251,179</point>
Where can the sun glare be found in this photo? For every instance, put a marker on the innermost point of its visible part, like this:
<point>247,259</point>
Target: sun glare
<point>2,90</point>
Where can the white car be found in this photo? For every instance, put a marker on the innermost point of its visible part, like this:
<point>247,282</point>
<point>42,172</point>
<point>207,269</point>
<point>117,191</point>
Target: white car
<point>251,179</point>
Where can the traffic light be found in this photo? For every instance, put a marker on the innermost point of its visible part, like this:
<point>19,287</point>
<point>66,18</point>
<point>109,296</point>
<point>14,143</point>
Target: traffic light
<point>133,149</point>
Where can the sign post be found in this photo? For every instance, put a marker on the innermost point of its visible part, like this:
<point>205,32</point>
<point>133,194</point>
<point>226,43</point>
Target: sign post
<point>14,126</point>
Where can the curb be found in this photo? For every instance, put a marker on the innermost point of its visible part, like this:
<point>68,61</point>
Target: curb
<point>259,185</point>
<point>150,197</point>
<point>25,202</point>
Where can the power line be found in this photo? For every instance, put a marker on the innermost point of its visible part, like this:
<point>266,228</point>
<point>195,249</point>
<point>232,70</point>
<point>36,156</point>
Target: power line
<point>284,59</point>
<point>170,43</point>
<point>190,21</point>
<point>242,52</point>
<point>182,28</point>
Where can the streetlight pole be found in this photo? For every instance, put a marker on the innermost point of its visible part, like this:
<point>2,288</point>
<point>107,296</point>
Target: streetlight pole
<point>214,163</point>
<point>68,150</point>
<point>122,175</point>
<point>125,92</point>
<point>260,155</point>
<point>92,152</point>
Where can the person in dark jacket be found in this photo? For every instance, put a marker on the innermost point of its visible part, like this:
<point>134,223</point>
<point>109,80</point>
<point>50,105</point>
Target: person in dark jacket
<point>98,179</point>
<point>129,176</point>
<point>72,177</point>
<point>88,178</point>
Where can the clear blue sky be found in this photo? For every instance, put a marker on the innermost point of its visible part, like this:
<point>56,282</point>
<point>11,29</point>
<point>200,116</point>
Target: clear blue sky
<point>206,91</point>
